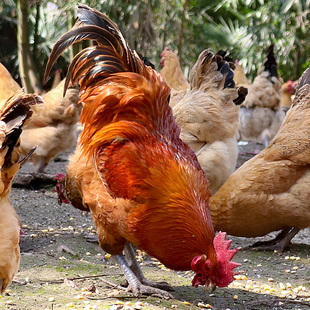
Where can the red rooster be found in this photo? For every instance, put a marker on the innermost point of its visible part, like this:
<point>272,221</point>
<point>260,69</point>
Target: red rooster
<point>142,184</point>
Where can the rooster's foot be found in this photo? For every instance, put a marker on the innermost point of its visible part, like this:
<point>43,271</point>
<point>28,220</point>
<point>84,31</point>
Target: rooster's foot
<point>139,289</point>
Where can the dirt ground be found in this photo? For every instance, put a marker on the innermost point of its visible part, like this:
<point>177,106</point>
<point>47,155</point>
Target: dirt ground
<point>61,270</point>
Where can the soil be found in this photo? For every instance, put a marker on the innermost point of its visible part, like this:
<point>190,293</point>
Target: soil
<point>60,269</point>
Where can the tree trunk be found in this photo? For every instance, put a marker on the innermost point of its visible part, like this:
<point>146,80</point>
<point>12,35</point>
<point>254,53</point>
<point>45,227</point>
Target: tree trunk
<point>181,35</point>
<point>28,74</point>
<point>23,45</point>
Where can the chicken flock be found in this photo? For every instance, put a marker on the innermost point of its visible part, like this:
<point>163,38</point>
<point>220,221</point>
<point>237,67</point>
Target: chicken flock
<point>156,160</point>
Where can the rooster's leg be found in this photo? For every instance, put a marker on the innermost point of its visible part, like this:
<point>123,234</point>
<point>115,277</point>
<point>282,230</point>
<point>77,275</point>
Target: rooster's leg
<point>279,243</point>
<point>135,285</point>
<point>134,266</point>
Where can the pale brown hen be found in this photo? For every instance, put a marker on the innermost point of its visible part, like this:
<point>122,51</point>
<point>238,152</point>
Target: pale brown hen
<point>13,114</point>
<point>208,117</point>
<point>260,115</point>
<point>271,191</point>
<point>8,86</point>
<point>52,129</point>
<point>173,75</point>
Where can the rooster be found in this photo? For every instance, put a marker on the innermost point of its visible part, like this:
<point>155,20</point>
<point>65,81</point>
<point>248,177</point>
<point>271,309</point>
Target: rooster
<point>260,115</point>
<point>208,117</point>
<point>271,192</point>
<point>13,114</point>
<point>142,184</point>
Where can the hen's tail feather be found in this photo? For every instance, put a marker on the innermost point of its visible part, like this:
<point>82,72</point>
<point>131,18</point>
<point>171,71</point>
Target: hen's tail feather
<point>242,93</point>
<point>14,113</point>
<point>303,87</point>
<point>224,55</point>
<point>208,63</point>
<point>304,79</point>
<point>270,63</point>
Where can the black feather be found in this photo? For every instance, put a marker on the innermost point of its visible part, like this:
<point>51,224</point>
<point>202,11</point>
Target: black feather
<point>270,63</point>
<point>242,93</point>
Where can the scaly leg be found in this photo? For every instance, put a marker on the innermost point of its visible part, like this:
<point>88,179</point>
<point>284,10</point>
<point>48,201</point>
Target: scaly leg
<point>281,241</point>
<point>135,285</point>
<point>134,266</point>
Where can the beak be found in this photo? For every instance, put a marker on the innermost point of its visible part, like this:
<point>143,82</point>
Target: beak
<point>211,285</point>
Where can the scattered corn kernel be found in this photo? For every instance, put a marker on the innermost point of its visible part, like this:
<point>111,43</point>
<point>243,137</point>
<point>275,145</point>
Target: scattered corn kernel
<point>287,271</point>
<point>88,253</point>
<point>288,285</point>
<point>107,255</point>
<point>259,265</point>
<point>174,306</point>
<point>45,230</point>
<point>24,226</point>
<point>295,268</point>
<point>119,303</point>
<point>186,303</point>
<point>287,257</point>
<point>187,272</point>
<point>293,271</point>
<point>33,235</point>
<point>9,302</point>
<point>235,297</point>
<point>206,306</point>
<point>51,299</point>
<point>270,279</point>
<point>80,297</point>
<point>62,258</point>
<point>69,305</point>
<point>248,286</point>
<point>51,229</point>
<point>282,286</point>
<point>276,251</point>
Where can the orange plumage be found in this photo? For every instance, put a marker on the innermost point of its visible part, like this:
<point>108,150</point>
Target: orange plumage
<point>142,184</point>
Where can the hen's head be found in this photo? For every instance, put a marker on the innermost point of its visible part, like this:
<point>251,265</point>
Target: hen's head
<point>162,56</point>
<point>221,273</point>
<point>60,188</point>
<point>289,86</point>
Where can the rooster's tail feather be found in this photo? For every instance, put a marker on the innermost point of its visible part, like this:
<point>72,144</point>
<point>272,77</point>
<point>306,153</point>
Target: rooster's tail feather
<point>93,25</point>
